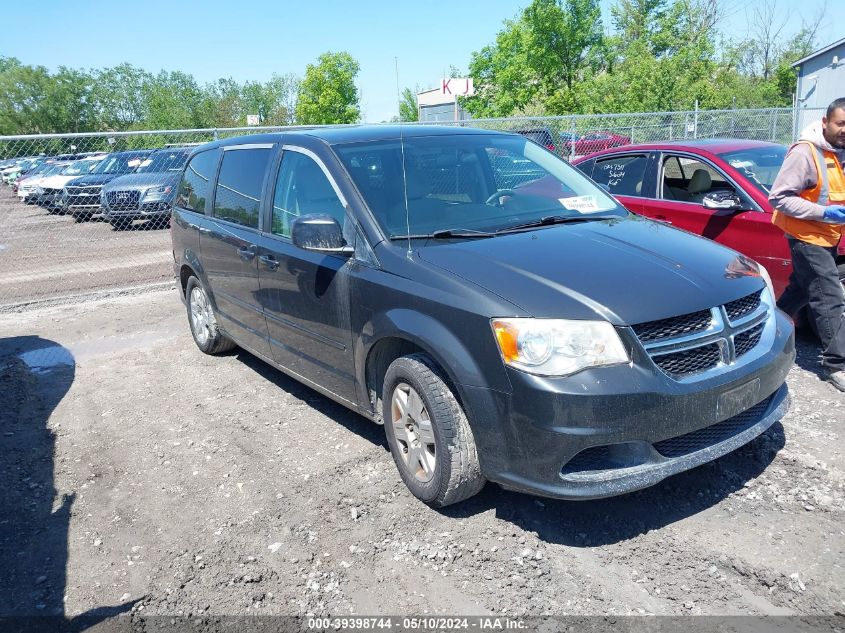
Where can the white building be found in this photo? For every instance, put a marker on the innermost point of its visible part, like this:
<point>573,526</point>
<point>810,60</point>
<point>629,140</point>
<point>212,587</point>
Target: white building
<point>433,105</point>
<point>821,79</point>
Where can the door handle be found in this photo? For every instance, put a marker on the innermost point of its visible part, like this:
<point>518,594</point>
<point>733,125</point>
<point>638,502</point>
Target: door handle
<point>662,218</point>
<point>269,261</point>
<point>247,253</point>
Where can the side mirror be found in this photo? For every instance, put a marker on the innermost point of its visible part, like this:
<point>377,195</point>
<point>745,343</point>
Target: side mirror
<point>319,232</point>
<point>723,200</point>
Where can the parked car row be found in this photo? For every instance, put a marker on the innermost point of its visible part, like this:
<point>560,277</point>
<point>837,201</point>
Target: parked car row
<point>119,187</point>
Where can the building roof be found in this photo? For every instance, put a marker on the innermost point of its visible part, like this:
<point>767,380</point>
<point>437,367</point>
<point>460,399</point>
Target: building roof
<point>818,52</point>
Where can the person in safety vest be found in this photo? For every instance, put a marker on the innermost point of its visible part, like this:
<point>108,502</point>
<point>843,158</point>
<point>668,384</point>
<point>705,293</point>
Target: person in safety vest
<point>808,196</point>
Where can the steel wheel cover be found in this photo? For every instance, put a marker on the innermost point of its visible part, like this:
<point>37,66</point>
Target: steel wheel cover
<point>200,315</point>
<point>413,433</point>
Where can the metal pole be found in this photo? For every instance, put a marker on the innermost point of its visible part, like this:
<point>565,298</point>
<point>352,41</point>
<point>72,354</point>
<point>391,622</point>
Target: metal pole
<point>695,123</point>
<point>398,95</point>
<point>572,141</point>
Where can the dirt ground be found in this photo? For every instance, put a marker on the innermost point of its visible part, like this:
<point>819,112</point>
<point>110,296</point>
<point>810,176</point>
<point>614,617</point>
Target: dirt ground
<point>137,474</point>
<point>44,255</point>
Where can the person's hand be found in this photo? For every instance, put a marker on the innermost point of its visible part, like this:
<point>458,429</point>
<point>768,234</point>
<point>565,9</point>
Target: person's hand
<point>835,214</point>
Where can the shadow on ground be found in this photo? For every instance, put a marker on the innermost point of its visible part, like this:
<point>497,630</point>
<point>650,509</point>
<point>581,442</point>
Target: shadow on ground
<point>35,374</point>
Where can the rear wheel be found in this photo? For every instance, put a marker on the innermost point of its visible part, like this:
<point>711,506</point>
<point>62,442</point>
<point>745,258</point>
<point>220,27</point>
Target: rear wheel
<point>119,224</point>
<point>428,433</point>
<point>203,323</point>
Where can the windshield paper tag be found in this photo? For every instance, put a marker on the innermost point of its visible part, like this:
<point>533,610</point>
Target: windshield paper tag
<point>582,204</point>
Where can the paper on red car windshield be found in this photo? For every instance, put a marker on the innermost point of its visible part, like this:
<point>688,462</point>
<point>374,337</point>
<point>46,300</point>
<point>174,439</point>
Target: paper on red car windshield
<point>582,204</point>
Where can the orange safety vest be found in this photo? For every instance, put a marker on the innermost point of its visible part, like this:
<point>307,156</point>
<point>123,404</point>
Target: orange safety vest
<point>829,189</point>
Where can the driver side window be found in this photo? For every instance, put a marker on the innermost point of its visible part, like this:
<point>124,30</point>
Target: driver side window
<point>302,188</point>
<point>686,179</point>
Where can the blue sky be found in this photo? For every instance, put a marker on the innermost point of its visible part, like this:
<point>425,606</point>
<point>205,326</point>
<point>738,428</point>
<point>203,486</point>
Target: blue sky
<point>253,39</point>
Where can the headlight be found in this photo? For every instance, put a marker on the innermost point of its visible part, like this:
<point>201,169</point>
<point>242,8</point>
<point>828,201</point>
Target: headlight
<point>158,192</point>
<point>765,275</point>
<point>39,190</point>
<point>557,347</point>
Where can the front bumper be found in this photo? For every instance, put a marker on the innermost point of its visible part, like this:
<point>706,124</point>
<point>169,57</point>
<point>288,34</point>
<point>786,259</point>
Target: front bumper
<point>614,430</point>
<point>155,209</point>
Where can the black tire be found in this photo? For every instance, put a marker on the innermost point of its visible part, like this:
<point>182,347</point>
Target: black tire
<point>81,217</point>
<point>206,333</point>
<point>453,478</point>
<point>119,224</point>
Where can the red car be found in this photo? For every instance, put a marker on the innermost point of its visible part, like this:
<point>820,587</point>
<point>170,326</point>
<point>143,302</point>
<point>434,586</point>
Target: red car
<point>593,142</point>
<point>717,188</point>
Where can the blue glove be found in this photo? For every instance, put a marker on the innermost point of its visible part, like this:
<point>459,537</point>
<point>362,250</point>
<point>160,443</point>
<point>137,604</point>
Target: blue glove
<point>835,214</point>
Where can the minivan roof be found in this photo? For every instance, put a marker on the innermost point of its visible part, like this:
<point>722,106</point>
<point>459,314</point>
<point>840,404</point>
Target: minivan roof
<point>357,133</point>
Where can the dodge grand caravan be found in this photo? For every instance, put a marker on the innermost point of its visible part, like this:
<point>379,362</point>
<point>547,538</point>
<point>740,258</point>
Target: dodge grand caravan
<point>503,318</point>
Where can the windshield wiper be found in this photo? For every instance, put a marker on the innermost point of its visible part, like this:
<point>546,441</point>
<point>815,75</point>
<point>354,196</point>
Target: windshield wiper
<point>548,220</point>
<point>443,234</point>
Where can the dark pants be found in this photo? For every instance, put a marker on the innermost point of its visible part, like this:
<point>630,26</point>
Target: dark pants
<point>815,283</point>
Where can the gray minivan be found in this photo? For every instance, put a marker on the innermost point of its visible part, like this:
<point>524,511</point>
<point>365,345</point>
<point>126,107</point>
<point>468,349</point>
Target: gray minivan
<point>503,318</point>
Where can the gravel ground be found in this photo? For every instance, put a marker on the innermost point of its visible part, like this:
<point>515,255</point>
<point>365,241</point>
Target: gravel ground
<point>44,256</point>
<point>137,474</point>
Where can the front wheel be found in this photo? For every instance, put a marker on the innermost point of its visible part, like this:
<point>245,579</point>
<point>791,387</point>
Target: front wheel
<point>428,433</point>
<point>204,329</point>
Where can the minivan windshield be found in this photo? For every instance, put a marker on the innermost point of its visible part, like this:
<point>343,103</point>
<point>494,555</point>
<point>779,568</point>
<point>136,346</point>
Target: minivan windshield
<point>465,184</point>
<point>759,164</point>
<point>163,161</point>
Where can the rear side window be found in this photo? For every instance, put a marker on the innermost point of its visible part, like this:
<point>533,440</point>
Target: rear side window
<point>195,188</point>
<point>621,175</point>
<point>237,197</point>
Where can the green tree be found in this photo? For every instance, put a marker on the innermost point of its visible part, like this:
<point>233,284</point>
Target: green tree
<point>540,56</point>
<point>328,93</point>
<point>119,95</point>
<point>274,101</point>
<point>175,101</point>
<point>408,110</point>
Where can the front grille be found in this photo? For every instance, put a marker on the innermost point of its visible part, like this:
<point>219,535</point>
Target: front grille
<point>123,200</point>
<point>84,191</point>
<point>691,361</point>
<point>697,342</point>
<point>49,191</point>
<point>746,305</point>
<point>714,434</point>
<point>746,341</point>
<point>673,326</point>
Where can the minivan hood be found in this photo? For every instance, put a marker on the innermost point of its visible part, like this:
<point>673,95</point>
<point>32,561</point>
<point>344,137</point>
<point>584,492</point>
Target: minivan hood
<point>624,271</point>
<point>141,181</point>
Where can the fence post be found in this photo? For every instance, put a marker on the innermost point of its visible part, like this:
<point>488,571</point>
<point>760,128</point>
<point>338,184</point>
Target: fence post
<point>695,123</point>
<point>572,141</point>
<point>774,125</point>
<point>686,124</point>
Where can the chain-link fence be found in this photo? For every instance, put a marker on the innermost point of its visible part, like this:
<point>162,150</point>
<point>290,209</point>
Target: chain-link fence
<point>573,136</point>
<point>84,213</point>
